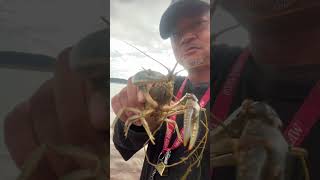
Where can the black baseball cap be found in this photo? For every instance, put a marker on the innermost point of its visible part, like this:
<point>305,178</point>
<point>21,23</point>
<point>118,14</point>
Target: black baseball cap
<point>175,10</point>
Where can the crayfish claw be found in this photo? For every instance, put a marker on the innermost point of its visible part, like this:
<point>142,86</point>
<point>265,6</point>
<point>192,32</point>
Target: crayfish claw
<point>187,123</point>
<point>195,131</point>
<point>191,121</point>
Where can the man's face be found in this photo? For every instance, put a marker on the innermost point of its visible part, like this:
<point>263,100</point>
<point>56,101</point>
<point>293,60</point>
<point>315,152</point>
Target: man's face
<point>191,41</point>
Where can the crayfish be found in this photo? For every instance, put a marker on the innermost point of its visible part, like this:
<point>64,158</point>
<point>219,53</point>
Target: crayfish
<point>250,138</point>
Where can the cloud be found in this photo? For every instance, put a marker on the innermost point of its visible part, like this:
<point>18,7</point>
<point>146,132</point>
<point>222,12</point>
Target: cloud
<point>137,21</point>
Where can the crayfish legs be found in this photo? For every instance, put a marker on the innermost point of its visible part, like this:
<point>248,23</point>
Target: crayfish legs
<point>189,107</point>
<point>140,116</point>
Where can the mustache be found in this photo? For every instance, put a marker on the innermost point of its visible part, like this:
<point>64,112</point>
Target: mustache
<point>186,47</point>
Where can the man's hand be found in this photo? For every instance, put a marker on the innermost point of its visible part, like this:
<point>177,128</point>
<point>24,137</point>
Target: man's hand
<point>131,96</point>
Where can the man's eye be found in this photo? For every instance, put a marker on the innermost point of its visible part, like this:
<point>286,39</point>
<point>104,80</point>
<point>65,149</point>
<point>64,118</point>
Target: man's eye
<point>197,24</point>
<point>175,35</point>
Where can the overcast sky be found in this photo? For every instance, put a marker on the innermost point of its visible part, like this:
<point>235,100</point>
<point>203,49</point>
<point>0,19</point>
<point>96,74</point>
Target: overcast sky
<point>137,22</point>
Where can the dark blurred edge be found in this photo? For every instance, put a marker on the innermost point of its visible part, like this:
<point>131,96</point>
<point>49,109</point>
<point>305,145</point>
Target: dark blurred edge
<point>26,61</point>
<point>34,62</point>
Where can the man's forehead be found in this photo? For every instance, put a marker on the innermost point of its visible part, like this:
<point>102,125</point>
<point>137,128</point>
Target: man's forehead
<point>190,19</point>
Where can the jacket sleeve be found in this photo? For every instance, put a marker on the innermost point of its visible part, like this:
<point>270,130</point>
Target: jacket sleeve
<point>135,140</point>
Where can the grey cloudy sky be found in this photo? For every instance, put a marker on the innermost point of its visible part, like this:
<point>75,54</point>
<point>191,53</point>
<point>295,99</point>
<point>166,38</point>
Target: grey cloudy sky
<point>137,22</point>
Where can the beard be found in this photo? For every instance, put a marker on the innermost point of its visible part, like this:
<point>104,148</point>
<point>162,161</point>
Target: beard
<point>195,63</point>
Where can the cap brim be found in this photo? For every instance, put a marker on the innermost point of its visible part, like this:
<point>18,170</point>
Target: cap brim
<point>172,13</point>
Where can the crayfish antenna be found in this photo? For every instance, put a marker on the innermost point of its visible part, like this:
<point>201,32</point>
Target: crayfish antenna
<point>171,74</point>
<point>174,68</point>
<point>147,55</point>
<point>175,74</point>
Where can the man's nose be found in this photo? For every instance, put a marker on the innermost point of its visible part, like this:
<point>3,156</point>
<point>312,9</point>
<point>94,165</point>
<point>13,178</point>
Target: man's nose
<point>187,37</point>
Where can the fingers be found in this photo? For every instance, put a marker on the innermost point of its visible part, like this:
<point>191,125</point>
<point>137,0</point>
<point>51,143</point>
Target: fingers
<point>123,97</point>
<point>141,98</point>
<point>132,92</point>
<point>116,106</point>
<point>127,97</point>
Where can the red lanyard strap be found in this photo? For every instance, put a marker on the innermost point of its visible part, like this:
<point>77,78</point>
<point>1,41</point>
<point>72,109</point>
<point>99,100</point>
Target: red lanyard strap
<point>181,89</point>
<point>303,120</point>
<point>170,128</point>
<point>224,99</point>
<point>167,139</point>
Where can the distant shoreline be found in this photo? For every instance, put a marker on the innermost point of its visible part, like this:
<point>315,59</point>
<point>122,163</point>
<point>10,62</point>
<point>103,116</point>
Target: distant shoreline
<point>118,80</point>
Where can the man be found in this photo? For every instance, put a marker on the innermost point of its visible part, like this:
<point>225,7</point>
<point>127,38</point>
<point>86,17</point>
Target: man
<point>281,68</point>
<point>187,23</point>
<point>69,108</point>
